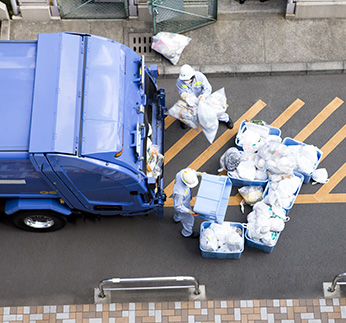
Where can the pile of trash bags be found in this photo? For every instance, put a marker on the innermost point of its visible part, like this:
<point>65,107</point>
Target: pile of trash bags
<point>281,168</point>
<point>267,154</point>
<point>222,238</point>
<point>265,222</point>
<point>201,113</point>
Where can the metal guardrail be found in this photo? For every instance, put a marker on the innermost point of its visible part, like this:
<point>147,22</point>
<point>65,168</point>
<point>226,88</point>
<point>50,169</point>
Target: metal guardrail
<point>336,281</point>
<point>177,279</point>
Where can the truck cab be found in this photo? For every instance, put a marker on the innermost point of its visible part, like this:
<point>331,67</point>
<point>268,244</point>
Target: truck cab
<point>80,114</point>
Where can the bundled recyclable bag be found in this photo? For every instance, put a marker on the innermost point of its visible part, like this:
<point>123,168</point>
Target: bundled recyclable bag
<point>234,241</point>
<point>218,101</point>
<point>154,161</point>
<point>184,113</point>
<point>208,240</point>
<point>170,45</point>
<point>305,157</point>
<point>229,238</point>
<point>230,159</point>
<point>320,176</point>
<point>247,170</point>
<point>208,120</point>
<point>192,100</point>
<point>251,194</point>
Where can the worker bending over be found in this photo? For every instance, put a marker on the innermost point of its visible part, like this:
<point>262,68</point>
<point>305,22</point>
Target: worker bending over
<point>191,81</point>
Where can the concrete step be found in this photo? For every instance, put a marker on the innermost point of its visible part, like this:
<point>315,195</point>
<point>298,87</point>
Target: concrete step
<point>230,9</point>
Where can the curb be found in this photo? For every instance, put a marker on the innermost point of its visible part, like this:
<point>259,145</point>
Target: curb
<point>5,30</point>
<point>333,67</point>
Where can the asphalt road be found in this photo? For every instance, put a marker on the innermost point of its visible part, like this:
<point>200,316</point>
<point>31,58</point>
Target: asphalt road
<point>64,267</point>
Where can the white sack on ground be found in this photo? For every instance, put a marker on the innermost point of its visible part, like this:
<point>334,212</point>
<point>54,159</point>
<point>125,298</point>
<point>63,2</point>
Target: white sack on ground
<point>170,45</point>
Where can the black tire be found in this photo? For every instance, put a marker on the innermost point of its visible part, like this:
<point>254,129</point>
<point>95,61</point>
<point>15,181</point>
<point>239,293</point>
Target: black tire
<point>39,220</point>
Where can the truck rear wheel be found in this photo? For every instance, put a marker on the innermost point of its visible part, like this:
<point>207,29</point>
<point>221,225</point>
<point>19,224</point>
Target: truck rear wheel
<point>39,220</point>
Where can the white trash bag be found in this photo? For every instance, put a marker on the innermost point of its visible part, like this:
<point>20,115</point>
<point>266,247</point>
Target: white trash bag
<point>184,113</point>
<point>208,120</point>
<point>218,101</point>
<point>208,240</point>
<point>320,176</point>
<point>170,45</point>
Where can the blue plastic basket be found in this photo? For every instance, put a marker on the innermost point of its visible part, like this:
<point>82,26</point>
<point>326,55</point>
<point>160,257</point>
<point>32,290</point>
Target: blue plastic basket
<point>289,142</point>
<point>272,131</point>
<point>219,254</point>
<point>212,197</point>
<point>288,209</point>
<point>240,182</point>
<point>260,245</point>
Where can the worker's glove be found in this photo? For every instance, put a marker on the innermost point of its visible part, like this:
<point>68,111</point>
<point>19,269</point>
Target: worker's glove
<point>202,97</point>
<point>184,95</point>
<point>201,173</point>
<point>191,212</point>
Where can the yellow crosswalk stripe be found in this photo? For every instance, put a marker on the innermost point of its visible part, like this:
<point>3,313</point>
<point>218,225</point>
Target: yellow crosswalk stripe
<point>333,142</point>
<point>287,114</point>
<point>319,119</point>
<point>333,181</point>
<point>180,144</point>
<point>168,121</point>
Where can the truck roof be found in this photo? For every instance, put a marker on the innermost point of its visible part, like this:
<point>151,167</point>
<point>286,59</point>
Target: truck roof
<point>17,70</point>
<point>62,93</point>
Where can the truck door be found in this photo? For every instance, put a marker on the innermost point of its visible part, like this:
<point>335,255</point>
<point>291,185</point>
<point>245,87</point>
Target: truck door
<point>102,188</point>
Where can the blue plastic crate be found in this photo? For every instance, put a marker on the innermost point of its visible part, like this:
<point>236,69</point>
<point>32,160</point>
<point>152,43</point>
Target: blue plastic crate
<point>289,142</point>
<point>272,131</point>
<point>240,182</point>
<point>212,197</point>
<point>219,254</point>
<point>288,209</point>
<point>260,245</point>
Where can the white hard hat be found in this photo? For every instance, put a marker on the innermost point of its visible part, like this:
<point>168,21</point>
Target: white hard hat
<point>186,72</point>
<point>189,177</point>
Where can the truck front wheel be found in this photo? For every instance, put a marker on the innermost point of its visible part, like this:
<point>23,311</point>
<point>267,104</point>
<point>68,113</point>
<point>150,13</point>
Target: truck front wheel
<point>39,220</point>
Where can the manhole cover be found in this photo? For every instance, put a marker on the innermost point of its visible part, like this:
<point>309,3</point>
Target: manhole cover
<point>141,44</point>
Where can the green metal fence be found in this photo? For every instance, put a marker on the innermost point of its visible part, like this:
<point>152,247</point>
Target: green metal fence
<point>182,15</point>
<point>94,9</point>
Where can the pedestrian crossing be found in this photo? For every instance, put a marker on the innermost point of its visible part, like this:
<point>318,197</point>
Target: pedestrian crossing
<point>323,194</point>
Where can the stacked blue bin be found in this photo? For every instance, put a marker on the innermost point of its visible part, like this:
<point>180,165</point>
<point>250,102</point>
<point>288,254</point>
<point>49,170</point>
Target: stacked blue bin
<point>212,197</point>
<point>259,245</point>
<point>272,131</point>
<point>220,254</point>
<point>288,209</point>
<point>289,142</point>
<point>211,204</point>
<point>240,182</point>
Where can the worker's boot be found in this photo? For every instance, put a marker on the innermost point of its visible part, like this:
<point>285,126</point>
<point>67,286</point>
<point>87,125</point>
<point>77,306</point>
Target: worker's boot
<point>183,125</point>
<point>193,235</point>
<point>229,124</point>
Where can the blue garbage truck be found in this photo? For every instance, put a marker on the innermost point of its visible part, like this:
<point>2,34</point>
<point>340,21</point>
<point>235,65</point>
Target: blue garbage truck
<point>79,114</point>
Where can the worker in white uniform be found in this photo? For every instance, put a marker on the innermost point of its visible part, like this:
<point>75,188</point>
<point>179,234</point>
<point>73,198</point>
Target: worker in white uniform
<point>191,81</point>
<point>185,180</point>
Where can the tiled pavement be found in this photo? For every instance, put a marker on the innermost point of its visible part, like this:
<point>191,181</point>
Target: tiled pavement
<point>279,310</point>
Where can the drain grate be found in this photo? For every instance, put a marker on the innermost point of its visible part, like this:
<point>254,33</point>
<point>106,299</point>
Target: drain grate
<point>141,44</point>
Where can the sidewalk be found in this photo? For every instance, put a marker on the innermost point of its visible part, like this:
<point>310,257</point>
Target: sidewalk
<point>284,310</point>
<point>240,42</point>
